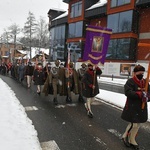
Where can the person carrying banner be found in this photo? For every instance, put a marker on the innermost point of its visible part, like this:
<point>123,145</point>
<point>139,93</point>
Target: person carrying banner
<point>90,86</point>
<point>134,112</point>
<point>81,71</point>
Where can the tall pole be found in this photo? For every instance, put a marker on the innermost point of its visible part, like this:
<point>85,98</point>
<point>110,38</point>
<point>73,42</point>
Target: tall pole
<point>30,42</point>
<point>14,48</point>
<point>50,40</point>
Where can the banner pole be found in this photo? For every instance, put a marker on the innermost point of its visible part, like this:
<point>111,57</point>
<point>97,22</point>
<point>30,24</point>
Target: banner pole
<point>94,79</point>
<point>147,80</point>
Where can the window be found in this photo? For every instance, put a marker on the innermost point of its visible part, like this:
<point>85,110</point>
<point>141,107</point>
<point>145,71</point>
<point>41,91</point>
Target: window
<point>75,49</point>
<point>121,22</point>
<point>76,10</point>
<point>125,21</point>
<point>57,42</point>
<point>75,29</point>
<point>115,3</point>
<point>122,49</point>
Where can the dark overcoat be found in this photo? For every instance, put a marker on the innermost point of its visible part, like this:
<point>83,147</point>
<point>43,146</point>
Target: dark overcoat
<point>39,77</point>
<point>29,70</point>
<point>133,111</point>
<point>88,80</point>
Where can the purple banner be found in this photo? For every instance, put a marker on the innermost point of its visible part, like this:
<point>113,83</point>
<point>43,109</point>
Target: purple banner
<point>96,44</point>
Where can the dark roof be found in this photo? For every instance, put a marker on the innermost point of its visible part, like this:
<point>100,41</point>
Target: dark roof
<point>66,1</point>
<point>143,3</point>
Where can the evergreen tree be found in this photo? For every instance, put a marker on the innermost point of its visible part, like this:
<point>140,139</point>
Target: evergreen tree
<point>30,28</point>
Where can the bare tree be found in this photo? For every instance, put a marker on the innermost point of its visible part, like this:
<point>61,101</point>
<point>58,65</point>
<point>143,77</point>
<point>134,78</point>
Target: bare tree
<point>42,32</point>
<point>30,28</point>
<point>14,30</point>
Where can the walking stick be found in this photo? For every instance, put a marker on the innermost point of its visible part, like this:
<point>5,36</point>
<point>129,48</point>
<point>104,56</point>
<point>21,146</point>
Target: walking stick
<point>147,81</point>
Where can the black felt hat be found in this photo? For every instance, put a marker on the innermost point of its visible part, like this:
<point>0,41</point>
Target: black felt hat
<point>90,64</point>
<point>138,68</point>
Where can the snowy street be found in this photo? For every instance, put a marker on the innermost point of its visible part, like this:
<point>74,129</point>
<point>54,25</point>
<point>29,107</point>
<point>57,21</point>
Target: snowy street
<point>57,128</point>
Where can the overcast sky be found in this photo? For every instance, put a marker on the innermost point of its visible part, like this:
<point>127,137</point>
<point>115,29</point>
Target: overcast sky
<point>16,11</point>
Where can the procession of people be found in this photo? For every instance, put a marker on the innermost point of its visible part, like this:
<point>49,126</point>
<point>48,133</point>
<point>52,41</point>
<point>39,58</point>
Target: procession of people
<point>63,79</point>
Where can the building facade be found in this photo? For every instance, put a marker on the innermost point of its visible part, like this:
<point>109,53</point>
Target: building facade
<point>128,20</point>
<point>8,51</point>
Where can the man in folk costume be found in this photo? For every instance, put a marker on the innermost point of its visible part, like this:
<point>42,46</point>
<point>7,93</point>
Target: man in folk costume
<point>71,79</point>
<point>47,89</point>
<point>81,71</point>
<point>133,111</point>
<point>90,86</point>
<point>39,77</point>
<point>29,69</point>
<point>39,73</point>
<point>95,50</point>
<point>55,80</point>
<point>47,69</point>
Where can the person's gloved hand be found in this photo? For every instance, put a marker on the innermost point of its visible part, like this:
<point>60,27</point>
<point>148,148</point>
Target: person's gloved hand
<point>139,93</point>
<point>144,97</point>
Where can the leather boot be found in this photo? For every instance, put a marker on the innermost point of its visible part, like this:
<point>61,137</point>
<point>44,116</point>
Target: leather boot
<point>68,99</point>
<point>55,101</point>
<point>81,99</point>
<point>125,137</point>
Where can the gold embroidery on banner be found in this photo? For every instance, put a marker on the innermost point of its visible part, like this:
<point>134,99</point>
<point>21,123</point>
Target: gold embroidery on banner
<point>95,58</point>
<point>97,30</point>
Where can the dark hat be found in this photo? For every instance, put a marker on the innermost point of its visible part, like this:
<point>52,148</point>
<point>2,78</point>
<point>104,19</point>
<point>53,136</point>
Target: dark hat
<point>83,64</point>
<point>48,63</point>
<point>39,64</point>
<point>57,61</point>
<point>138,68</point>
<point>89,64</point>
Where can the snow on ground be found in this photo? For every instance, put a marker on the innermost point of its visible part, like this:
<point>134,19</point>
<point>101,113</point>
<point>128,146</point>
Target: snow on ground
<point>16,129</point>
